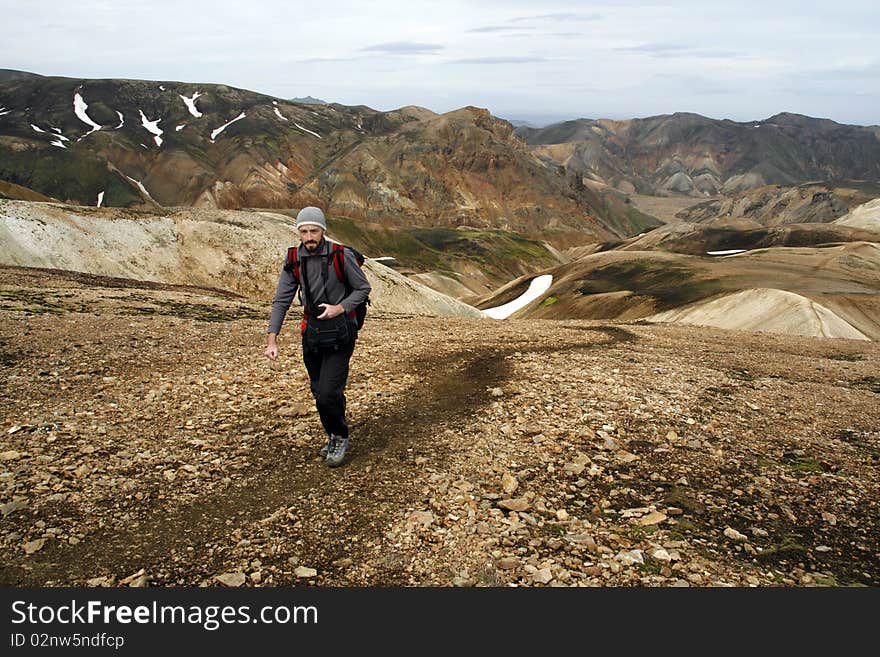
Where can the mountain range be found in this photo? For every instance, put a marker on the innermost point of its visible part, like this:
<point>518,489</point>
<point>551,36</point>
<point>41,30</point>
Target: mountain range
<point>690,154</point>
<point>129,143</point>
<point>135,143</point>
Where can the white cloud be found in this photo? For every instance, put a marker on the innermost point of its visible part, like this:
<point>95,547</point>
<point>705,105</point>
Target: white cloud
<point>404,48</point>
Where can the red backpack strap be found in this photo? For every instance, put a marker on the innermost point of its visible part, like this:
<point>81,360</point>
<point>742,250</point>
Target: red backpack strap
<point>291,263</point>
<point>339,260</point>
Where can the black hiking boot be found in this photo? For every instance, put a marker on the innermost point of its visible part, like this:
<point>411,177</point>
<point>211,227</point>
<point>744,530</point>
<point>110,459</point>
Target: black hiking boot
<point>325,449</point>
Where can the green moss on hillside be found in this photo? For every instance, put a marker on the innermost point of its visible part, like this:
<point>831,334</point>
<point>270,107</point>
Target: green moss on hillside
<point>499,254</point>
<point>672,284</point>
<point>66,176</point>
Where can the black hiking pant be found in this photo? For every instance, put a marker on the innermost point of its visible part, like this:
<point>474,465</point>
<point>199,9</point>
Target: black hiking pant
<point>328,373</point>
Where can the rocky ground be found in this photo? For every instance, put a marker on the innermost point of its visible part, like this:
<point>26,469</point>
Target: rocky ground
<point>145,440</point>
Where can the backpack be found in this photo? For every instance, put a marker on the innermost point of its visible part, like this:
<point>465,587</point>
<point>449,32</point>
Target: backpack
<point>291,264</point>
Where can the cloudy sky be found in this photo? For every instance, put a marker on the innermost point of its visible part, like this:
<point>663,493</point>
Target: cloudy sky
<point>541,61</point>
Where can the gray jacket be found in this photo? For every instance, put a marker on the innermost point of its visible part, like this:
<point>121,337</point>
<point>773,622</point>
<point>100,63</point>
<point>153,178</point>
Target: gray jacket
<point>335,292</point>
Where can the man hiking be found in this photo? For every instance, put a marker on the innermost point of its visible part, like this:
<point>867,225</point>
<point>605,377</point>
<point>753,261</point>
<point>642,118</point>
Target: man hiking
<point>331,287</point>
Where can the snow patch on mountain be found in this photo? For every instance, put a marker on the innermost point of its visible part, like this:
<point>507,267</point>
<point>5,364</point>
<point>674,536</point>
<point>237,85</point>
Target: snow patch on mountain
<point>57,142</point>
<point>152,126</point>
<point>3,111</point>
<point>180,127</point>
<point>224,126</point>
<point>191,104</point>
<point>279,115</point>
<point>537,287</point>
<point>100,199</point>
<point>121,120</point>
<point>141,187</point>
<point>306,130</point>
<point>79,108</point>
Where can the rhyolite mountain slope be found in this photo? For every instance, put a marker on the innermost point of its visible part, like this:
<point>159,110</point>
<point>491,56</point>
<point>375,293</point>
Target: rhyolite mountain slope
<point>232,250</point>
<point>134,143</point>
<point>865,216</point>
<point>691,154</point>
<point>775,205</point>
<point>832,291</point>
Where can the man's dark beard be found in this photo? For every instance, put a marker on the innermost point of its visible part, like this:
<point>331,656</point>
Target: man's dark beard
<point>311,247</point>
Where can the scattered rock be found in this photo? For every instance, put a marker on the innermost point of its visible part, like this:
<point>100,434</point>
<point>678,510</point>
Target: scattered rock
<point>682,499</point>
<point>515,504</point>
<point>508,563</point>
<point>581,539</point>
<point>303,572</point>
<point>661,555</point>
<point>12,507</point>
<point>98,581</point>
<point>509,483</point>
<point>231,579</point>
<point>295,410</point>
<point>34,546</point>
<point>734,535</point>
<point>653,518</point>
<point>573,468</point>
<point>136,580</point>
<point>542,575</point>
<point>788,513</point>
<point>630,557</point>
<point>422,518</point>
<point>625,457</point>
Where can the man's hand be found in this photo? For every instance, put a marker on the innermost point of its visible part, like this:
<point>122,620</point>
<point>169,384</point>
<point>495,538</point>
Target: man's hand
<point>272,348</point>
<point>330,310</point>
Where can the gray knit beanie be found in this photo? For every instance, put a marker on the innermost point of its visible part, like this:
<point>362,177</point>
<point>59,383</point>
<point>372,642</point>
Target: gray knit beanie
<point>311,215</point>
